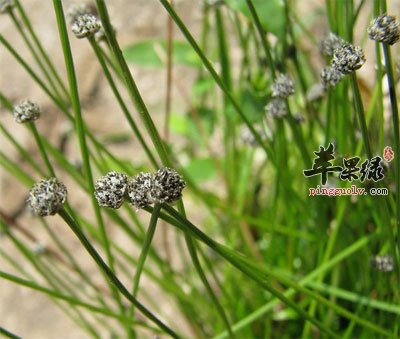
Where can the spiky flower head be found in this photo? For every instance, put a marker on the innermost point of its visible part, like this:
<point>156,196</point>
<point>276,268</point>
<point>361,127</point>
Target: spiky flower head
<point>276,108</point>
<point>329,43</point>
<point>6,6</point>
<point>348,58</point>
<point>164,186</point>
<point>282,87</point>
<point>77,10</point>
<point>382,263</point>
<point>110,190</point>
<point>330,76</point>
<point>85,26</point>
<point>167,185</point>
<point>385,29</point>
<point>26,111</point>
<point>47,197</point>
<point>139,190</point>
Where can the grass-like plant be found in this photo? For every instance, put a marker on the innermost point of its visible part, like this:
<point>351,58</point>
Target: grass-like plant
<point>279,248</point>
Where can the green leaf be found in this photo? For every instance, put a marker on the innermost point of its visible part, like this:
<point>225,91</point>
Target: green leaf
<point>270,12</point>
<point>253,105</point>
<point>201,170</point>
<point>151,53</point>
<point>178,124</point>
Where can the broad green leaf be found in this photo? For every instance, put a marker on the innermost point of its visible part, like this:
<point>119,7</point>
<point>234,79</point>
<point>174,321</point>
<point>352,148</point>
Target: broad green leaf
<point>253,105</point>
<point>178,124</point>
<point>152,53</point>
<point>201,170</point>
<point>270,12</point>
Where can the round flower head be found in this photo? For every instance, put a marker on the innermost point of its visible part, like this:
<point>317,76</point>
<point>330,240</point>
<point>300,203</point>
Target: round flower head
<point>276,108</point>
<point>348,58</point>
<point>329,43</point>
<point>110,189</point>
<point>330,77</point>
<point>85,26</point>
<point>6,5</point>
<point>382,263</point>
<point>248,138</point>
<point>139,190</point>
<point>47,197</point>
<point>282,87</point>
<point>76,11</point>
<point>26,111</point>
<point>384,28</point>
<point>167,185</point>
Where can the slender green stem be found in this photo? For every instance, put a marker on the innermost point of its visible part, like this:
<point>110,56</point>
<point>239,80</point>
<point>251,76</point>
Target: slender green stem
<point>145,249</point>
<point>26,156</point>
<point>131,85</point>
<point>264,41</point>
<point>28,25</point>
<point>360,112</point>
<point>80,128</point>
<point>244,265</point>
<point>42,149</point>
<point>395,119</point>
<point>195,260</point>
<point>8,334</point>
<point>215,75</point>
<point>109,273</point>
<point>56,294</point>
<point>25,65</point>
<point>117,95</point>
<point>36,57</point>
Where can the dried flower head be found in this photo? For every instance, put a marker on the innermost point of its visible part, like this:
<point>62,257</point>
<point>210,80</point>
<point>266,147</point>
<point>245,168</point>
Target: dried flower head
<point>139,189</point>
<point>385,29</point>
<point>6,5</point>
<point>329,43</point>
<point>315,92</point>
<point>167,185</point>
<point>47,197</point>
<point>282,87</point>
<point>26,111</point>
<point>110,190</point>
<point>276,108</point>
<point>330,76</point>
<point>348,58</point>
<point>248,138</point>
<point>75,11</point>
<point>299,118</point>
<point>382,263</point>
<point>85,26</point>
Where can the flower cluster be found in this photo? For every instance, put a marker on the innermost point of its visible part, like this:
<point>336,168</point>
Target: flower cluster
<point>27,111</point>
<point>248,138</point>
<point>282,87</point>
<point>331,42</point>
<point>76,11</point>
<point>111,189</point>
<point>384,29</point>
<point>348,58</point>
<point>164,186</point>
<point>47,197</point>
<point>6,6</point>
<point>330,76</point>
<point>85,26</point>
<point>276,108</point>
<point>382,263</point>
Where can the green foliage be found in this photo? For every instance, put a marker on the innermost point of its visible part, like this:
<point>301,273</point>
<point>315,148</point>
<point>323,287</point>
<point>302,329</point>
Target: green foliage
<point>263,258</point>
<point>152,53</point>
